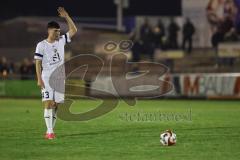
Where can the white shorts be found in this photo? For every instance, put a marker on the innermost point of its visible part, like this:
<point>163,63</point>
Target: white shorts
<point>48,93</point>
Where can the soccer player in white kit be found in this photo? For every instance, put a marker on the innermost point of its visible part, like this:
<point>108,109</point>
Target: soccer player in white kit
<point>49,56</point>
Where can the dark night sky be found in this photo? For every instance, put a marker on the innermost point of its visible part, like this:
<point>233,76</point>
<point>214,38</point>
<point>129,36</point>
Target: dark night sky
<point>87,8</point>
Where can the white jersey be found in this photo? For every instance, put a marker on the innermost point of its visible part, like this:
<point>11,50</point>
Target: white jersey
<point>51,54</point>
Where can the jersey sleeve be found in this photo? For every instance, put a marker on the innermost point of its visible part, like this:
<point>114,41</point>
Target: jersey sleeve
<point>67,38</point>
<point>39,52</point>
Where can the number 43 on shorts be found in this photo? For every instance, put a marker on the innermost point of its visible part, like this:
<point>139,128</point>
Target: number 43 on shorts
<point>45,94</point>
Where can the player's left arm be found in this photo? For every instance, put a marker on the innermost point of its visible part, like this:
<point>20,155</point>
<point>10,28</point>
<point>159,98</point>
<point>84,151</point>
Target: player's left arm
<point>71,25</point>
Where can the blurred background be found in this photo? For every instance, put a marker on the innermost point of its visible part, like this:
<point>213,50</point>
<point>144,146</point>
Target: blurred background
<point>197,40</point>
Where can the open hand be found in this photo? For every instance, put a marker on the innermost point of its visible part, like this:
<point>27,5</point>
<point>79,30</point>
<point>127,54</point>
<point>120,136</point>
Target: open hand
<point>62,12</point>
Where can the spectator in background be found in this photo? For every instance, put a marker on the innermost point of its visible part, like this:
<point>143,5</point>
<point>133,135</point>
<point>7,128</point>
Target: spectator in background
<point>146,37</point>
<point>4,67</point>
<point>145,31</point>
<point>11,68</point>
<point>136,48</point>
<point>237,17</point>
<point>136,51</point>
<point>25,69</point>
<point>173,29</point>
<point>159,34</point>
<point>32,70</point>
<point>188,31</point>
<point>222,30</point>
<point>225,31</point>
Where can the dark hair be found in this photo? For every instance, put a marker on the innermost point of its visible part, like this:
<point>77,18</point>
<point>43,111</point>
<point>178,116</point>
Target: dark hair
<point>53,24</point>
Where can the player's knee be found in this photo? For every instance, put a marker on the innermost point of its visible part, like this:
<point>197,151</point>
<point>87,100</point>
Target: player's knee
<point>49,104</point>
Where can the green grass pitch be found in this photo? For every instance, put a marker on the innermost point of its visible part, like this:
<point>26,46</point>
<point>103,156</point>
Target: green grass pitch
<point>212,133</point>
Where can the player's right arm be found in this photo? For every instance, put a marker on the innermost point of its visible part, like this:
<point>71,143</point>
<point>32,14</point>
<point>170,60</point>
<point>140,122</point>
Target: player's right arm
<point>39,73</point>
<point>71,25</point>
<point>38,64</point>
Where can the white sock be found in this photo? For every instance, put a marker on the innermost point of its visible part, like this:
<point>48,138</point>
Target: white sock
<point>48,116</point>
<point>54,117</point>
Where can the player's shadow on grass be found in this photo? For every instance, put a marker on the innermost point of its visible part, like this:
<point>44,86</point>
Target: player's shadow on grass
<point>209,128</point>
<point>104,132</point>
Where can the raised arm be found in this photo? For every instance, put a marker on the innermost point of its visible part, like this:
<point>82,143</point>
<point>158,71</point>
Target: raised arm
<point>72,27</point>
